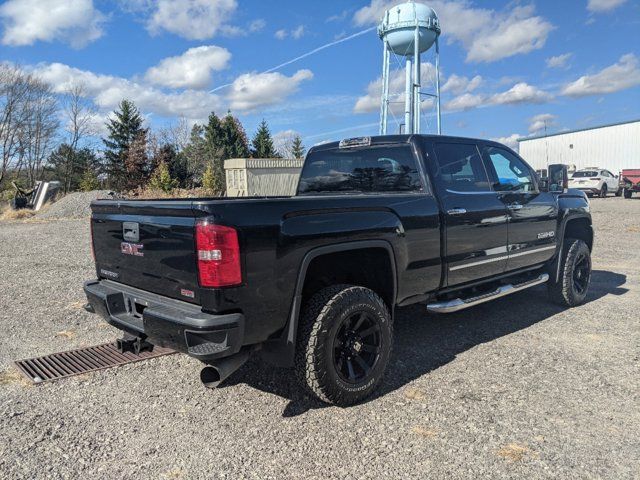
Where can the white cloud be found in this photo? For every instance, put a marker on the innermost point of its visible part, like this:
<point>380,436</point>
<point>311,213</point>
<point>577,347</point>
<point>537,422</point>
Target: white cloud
<point>298,32</point>
<point>107,91</point>
<point>458,84</point>
<point>517,32</point>
<point>487,35</point>
<point>191,19</point>
<point>76,22</point>
<point>257,25</point>
<point>192,69</point>
<point>466,101</point>
<point>603,5</point>
<point>371,101</point>
<point>540,122</point>
<point>559,61</point>
<point>339,17</point>
<point>254,90</point>
<point>295,33</point>
<point>511,141</point>
<point>248,92</point>
<point>614,78</point>
<point>520,93</point>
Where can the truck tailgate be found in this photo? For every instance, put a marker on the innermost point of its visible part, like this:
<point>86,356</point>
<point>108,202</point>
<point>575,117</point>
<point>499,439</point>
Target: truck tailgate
<point>148,245</point>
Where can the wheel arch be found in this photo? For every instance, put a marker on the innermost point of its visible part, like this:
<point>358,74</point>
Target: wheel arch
<point>573,226</point>
<point>281,351</point>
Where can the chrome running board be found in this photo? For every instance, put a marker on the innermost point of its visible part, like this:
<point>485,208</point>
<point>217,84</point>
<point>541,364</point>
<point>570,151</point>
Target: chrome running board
<point>458,304</point>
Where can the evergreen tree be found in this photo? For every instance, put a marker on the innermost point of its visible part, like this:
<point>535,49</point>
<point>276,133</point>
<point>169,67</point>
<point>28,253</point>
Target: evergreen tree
<point>69,165</point>
<point>123,130</point>
<point>195,156</point>
<point>89,181</point>
<point>138,167</point>
<point>215,148</point>
<point>236,144</point>
<point>161,179</point>
<point>262,143</point>
<point>297,148</point>
<point>209,180</point>
<point>176,162</point>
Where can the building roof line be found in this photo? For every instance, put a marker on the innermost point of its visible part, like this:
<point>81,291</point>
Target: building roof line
<point>524,139</point>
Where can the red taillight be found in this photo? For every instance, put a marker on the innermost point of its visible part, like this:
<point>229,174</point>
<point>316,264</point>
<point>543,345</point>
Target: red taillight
<point>218,254</point>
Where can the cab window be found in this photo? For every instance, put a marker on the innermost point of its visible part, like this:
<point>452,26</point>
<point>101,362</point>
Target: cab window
<point>378,169</point>
<point>460,168</point>
<point>511,173</point>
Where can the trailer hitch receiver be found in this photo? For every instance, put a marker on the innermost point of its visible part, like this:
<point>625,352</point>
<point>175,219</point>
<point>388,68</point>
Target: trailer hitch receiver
<point>133,344</point>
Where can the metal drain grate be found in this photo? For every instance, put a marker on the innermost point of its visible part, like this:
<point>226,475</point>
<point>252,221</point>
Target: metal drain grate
<point>82,360</point>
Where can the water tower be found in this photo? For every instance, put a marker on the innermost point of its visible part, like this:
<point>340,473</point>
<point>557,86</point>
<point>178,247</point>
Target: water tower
<point>407,30</point>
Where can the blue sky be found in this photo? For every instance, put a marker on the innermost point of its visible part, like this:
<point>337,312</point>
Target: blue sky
<point>508,68</point>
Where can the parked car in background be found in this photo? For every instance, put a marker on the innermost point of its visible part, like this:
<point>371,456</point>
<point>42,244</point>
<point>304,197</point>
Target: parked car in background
<point>594,181</point>
<point>629,182</point>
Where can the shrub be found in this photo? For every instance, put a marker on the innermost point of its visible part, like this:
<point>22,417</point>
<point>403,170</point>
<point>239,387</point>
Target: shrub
<point>209,180</point>
<point>89,181</point>
<point>161,179</point>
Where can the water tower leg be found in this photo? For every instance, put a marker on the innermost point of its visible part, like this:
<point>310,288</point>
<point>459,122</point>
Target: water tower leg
<point>408,98</point>
<point>384,101</point>
<point>416,81</point>
<point>438,87</point>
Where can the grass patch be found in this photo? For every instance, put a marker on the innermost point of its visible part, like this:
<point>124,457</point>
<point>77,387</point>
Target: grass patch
<point>8,214</point>
<point>68,334</point>
<point>424,432</point>
<point>414,394</point>
<point>13,377</point>
<point>514,452</point>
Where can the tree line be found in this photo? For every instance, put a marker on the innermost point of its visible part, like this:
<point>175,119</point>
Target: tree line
<point>45,135</point>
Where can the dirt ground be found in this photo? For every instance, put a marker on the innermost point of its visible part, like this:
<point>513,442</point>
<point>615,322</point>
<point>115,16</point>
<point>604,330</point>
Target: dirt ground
<point>516,388</point>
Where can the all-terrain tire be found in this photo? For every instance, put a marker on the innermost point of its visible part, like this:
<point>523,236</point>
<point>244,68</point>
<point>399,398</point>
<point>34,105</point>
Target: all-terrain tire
<point>627,193</point>
<point>575,274</point>
<point>323,322</point>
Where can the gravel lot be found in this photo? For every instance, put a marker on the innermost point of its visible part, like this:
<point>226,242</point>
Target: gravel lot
<point>517,388</point>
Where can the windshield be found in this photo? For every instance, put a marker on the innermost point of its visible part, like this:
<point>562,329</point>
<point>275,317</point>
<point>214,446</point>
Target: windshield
<point>360,170</point>
<point>586,173</point>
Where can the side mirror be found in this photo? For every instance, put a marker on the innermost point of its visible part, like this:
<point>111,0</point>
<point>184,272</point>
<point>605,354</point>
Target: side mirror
<point>543,184</point>
<point>558,178</point>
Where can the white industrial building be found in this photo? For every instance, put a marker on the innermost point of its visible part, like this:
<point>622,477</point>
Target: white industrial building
<point>613,147</point>
<point>248,177</point>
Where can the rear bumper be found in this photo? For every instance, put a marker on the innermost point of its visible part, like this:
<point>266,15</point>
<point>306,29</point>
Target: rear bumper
<point>588,190</point>
<point>166,322</point>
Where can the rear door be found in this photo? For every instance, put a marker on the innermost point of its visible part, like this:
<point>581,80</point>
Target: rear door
<point>475,219</point>
<point>533,215</point>
<point>148,245</point>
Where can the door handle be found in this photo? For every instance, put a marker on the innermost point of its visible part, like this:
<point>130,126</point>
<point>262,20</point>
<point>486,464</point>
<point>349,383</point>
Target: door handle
<point>456,211</point>
<point>514,206</point>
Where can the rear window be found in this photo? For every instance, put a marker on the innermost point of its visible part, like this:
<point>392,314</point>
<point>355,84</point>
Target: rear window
<point>585,174</point>
<point>360,170</point>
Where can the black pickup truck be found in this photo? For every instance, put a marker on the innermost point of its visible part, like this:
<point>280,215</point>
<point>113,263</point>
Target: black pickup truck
<point>312,281</point>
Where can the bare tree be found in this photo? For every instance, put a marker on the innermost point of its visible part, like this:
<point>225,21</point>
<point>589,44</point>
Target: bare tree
<point>78,114</point>
<point>39,129</point>
<point>14,89</point>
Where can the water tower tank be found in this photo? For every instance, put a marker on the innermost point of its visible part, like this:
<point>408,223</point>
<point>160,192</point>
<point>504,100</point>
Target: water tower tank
<point>399,24</point>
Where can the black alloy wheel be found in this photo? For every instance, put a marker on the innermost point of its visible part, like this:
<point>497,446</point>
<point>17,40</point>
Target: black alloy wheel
<point>357,347</point>
<point>581,273</point>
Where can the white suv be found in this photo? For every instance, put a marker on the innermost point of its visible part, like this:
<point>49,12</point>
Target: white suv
<point>594,181</point>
